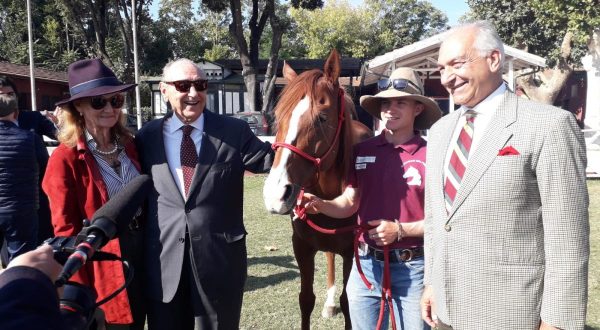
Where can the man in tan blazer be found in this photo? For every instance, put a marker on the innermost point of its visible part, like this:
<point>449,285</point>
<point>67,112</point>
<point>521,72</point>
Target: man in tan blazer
<point>506,222</point>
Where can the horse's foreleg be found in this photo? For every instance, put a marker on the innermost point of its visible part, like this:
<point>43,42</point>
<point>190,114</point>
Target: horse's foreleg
<point>329,306</point>
<point>347,265</point>
<point>305,256</point>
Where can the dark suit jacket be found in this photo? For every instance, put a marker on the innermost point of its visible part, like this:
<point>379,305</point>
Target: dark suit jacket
<point>28,300</point>
<point>212,213</point>
<point>34,121</point>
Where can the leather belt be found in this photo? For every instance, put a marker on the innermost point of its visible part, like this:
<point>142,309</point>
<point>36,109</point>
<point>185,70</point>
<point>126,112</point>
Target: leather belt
<point>396,255</point>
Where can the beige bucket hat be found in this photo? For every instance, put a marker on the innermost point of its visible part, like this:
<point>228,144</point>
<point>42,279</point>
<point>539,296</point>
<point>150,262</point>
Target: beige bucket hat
<point>403,82</point>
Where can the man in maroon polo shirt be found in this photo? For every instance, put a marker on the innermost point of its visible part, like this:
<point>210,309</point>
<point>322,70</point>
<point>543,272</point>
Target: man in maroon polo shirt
<point>386,188</point>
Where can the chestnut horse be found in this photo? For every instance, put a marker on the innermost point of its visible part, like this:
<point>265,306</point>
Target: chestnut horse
<point>315,135</point>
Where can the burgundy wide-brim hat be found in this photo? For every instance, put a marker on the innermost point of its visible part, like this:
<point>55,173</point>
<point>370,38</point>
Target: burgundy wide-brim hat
<point>89,78</point>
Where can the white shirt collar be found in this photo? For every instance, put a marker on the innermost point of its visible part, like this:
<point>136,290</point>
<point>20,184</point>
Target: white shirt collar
<point>490,102</point>
<point>174,123</point>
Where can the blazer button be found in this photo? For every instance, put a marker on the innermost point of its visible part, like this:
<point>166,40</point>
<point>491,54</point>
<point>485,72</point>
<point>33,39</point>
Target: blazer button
<point>447,227</point>
<point>188,210</point>
<point>181,240</point>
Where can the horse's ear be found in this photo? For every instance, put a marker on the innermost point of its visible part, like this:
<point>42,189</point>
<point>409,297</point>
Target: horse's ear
<point>288,73</point>
<point>332,66</point>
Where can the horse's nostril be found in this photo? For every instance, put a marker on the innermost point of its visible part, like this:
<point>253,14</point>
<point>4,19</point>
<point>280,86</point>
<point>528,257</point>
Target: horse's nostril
<point>287,192</point>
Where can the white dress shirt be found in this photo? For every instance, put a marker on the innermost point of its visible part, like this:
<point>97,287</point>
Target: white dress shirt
<point>484,112</point>
<point>173,134</point>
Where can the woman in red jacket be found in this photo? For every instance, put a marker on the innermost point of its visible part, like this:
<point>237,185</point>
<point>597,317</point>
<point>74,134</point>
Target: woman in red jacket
<point>96,159</point>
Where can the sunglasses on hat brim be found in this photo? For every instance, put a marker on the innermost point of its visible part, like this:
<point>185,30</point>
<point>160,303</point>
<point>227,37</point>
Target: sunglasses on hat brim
<point>184,86</point>
<point>98,102</point>
<point>398,84</point>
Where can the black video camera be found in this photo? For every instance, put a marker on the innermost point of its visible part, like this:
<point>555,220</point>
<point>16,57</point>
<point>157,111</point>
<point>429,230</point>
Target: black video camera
<point>78,302</point>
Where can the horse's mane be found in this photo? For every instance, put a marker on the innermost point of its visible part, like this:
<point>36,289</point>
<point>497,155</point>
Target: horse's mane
<point>302,85</point>
<point>346,140</point>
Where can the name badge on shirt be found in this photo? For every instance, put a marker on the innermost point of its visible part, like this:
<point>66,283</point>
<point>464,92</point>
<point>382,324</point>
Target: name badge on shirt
<point>365,159</point>
<point>361,162</point>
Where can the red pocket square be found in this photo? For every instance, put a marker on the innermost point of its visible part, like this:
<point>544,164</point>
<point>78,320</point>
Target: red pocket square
<point>508,151</point>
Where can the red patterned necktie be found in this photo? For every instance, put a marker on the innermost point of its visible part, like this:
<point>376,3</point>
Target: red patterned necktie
<point>189,157</point>
<point>458,160</point>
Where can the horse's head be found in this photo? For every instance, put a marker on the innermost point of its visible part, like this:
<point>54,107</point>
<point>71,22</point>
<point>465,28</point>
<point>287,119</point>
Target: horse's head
<point>312,120</point>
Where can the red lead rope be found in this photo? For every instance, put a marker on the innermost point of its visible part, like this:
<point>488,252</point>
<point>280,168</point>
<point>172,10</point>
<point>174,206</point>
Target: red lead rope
<point>386,286</point>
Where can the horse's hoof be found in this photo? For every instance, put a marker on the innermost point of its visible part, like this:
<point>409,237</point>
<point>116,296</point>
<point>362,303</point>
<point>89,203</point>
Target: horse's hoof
<point>328,311</point>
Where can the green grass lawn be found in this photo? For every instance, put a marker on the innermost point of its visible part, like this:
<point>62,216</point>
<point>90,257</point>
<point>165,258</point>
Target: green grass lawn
<point>271,298</point>
<point>593,318</point>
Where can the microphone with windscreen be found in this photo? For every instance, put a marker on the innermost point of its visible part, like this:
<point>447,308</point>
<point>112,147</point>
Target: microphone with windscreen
<point>108,221</point>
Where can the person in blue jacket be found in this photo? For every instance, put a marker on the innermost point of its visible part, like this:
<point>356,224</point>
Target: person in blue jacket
<point>21,153</point>
<point>42,124</point>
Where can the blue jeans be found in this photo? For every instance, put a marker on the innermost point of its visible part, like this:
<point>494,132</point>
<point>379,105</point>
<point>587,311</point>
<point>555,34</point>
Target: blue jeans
<point>407,287</point>
<point>19,229</point>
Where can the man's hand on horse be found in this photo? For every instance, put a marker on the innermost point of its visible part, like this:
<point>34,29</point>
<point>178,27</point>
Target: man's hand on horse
<point>385,232</point>
<point>312,203</point>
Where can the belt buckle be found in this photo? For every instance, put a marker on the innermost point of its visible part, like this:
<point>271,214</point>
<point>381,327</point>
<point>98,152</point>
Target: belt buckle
<point>363,248</point>
<point>406,255</point>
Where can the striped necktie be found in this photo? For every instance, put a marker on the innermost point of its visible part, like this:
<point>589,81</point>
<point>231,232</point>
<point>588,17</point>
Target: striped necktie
<point>458,160</point>
<point>189,157</point>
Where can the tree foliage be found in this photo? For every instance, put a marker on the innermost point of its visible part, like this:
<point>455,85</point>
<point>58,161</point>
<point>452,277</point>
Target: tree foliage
<point>579,17</point>
<point>249,21</point>
<point>403,22</point>
<point>68,30</point>
<point>539,26</point>
<point>377,27</point>
<point>558,30</point>
<point>337,25</point>
<point>214,27</point>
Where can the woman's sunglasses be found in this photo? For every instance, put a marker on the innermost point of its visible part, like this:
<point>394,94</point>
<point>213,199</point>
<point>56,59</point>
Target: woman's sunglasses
<point>116,102</point>
<point>184,86</point>
<point>398,84</point>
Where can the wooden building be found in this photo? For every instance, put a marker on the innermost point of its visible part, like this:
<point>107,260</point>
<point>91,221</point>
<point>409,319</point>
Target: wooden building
<point>51,86</point>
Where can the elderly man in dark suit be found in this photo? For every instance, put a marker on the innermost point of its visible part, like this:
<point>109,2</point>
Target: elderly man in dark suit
<point>506,201</point>
<point>195,239</point>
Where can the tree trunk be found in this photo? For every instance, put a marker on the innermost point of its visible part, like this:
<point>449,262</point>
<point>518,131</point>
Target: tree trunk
<point>552,79</point>
<point>125,25</point>
<point>96,11</point>
<point>271,73</point>
<point>249,56</point>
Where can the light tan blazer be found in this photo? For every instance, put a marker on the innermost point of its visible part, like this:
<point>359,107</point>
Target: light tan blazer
<point>515,246</point>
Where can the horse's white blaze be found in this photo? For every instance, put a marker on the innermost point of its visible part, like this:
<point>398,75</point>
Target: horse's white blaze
<point>274,187</point>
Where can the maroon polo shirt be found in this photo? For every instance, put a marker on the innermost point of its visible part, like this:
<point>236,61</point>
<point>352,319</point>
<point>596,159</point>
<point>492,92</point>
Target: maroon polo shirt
<point>391,182</point>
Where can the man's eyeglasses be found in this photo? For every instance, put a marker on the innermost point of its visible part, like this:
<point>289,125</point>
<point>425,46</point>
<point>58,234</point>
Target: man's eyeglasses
<point>116,102</point>
<point>184,86</point>
<point>398,84</point>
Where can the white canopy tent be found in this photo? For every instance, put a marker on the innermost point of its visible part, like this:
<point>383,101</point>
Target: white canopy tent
<point>422,56</point>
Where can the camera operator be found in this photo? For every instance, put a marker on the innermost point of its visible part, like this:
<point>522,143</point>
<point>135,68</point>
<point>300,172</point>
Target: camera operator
<point>28,297</point>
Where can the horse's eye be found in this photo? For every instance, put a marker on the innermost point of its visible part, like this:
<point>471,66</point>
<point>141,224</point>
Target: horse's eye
<point>321,101</point>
